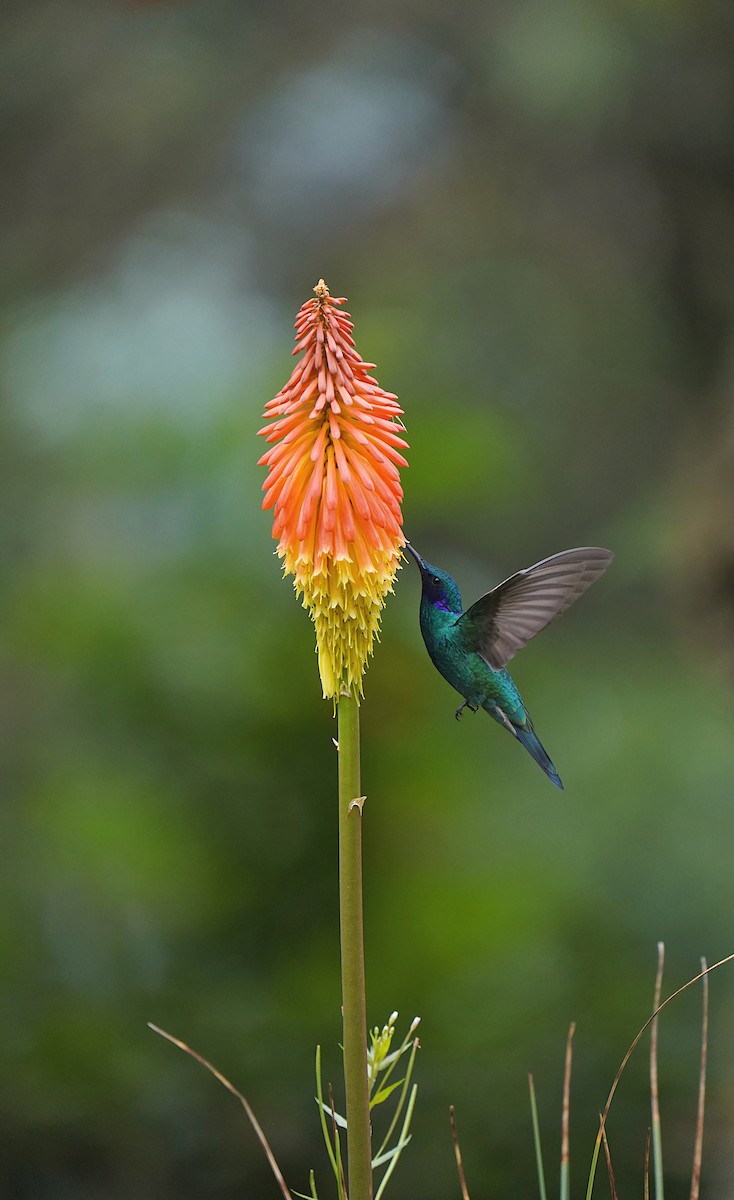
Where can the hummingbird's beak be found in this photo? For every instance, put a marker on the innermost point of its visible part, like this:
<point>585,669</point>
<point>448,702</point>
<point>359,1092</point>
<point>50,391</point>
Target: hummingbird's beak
<point>416,556</point>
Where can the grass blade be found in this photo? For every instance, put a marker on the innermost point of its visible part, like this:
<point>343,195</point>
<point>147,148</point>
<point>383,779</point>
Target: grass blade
<point>457,1155</point>
<point>335,1116</point>
<point>402,1142</point>
<point>566,1117</point>
<point>389,1155</point>
<point>646,1182</point>
<point>595,1160</point>
<point>238,1096</point>
<point>698,1148</point>
<point>323,1109</point>
<point>633,1046</point>
<point>401,1100</point>
<point>657,1138</point>
<point>536,1140</point>
<point>341,1181</point>
<point>608,1157</point>
<point>312,1194</point>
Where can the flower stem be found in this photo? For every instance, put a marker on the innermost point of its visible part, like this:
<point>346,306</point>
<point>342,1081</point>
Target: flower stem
<point>354,1006</point>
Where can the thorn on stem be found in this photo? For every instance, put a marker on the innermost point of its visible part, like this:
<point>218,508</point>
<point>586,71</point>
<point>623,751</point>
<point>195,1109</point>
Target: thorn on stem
<point>357,803</point>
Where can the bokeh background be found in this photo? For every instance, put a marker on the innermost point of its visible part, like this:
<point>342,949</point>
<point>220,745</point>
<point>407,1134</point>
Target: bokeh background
<point>530,205</point>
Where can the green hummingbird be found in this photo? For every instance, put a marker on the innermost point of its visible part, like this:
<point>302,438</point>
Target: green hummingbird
<point>471,649</point>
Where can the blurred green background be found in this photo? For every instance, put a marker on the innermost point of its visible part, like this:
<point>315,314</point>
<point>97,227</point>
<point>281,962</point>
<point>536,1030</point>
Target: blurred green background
<point>530,206</point>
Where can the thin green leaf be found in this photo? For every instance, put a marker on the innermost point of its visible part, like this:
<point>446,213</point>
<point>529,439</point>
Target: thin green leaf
<point>403,1141</point>
<point>341,1121</point>
<point>401,1100</point>
<point>393,1056</point>
<point>390,1154</point>
<point>536,1140</point>
<point>324,1127</point>
<point>381,1096</point>
<point>594,1160</point>
<point>312,1195</point>
<point>341,1181</point>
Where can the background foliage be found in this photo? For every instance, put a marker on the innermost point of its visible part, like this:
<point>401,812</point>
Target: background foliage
<point>531,208</point>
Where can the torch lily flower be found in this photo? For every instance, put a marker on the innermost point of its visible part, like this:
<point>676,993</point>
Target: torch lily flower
<point>334,485</point>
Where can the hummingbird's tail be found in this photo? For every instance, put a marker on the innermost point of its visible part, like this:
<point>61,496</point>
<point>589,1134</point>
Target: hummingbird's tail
<point>530,740</point>
<point>517,721</point>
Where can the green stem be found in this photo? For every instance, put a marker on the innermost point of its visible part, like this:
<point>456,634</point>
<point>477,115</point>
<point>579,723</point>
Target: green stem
<point>354,1006</point>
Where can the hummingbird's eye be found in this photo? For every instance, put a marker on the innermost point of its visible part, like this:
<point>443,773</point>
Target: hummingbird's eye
<point>436,580</point>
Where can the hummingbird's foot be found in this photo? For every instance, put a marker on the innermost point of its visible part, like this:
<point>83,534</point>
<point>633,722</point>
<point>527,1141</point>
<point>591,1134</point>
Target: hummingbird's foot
<point>460,709</point>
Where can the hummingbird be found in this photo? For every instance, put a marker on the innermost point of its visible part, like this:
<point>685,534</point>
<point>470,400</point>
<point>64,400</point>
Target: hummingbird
<point>471,649</point>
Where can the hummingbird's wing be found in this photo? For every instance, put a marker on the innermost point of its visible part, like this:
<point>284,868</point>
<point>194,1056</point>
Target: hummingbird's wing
<point>502,622</point>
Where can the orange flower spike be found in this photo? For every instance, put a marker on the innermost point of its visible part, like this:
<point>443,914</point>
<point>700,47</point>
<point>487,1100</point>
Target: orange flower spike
<point>334,485</point>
